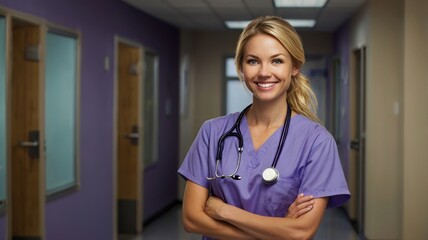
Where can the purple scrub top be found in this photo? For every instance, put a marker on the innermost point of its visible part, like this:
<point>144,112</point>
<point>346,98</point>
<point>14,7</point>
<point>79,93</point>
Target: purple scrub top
<point>309,164</point>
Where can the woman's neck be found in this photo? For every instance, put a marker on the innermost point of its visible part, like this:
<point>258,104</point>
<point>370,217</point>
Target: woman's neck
<point>267,115</point>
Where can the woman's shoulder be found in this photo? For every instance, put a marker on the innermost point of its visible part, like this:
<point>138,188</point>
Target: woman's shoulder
<point>221,122</point>
<point>309,128</point>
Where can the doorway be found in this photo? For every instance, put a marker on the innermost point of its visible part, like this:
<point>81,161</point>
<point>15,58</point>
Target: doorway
<point>25,111</point>
<point>128,139</point>
<point>358,138</point>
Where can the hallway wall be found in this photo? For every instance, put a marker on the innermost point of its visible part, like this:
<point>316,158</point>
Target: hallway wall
<point>341,52</point>
<point>395,33</point>
<point>384,138</point>
<point>88,213</point>
<point>379,29</point>
<point>415,131</point>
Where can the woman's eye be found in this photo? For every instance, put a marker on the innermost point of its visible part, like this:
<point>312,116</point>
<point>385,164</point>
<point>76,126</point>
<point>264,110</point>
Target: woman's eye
<point>277,61</point>
<point>252,61</point>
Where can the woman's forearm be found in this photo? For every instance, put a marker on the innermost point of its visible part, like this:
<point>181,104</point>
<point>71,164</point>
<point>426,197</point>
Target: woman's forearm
<point>207,226</point>
<point>195,220</point>
<point>262,227</point>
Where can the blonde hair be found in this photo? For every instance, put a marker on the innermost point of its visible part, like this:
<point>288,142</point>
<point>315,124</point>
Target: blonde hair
<point>299,95</point>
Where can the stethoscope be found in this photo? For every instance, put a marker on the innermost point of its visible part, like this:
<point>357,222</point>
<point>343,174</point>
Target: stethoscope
<point>270,174</point>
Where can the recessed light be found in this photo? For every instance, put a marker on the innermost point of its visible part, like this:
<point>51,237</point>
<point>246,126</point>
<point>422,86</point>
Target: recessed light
<point>301,22</point>
<point>299,3</point>
<point>297,23</point>
<point>236,24</point>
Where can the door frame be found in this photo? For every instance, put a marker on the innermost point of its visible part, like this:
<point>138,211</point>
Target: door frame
<point>121,40</point>
<point>12,17</point>
<point>357,128</point>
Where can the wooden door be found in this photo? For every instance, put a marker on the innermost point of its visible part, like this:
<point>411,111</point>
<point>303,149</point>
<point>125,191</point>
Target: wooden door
<point>27,181</point>
<point>129,170</point>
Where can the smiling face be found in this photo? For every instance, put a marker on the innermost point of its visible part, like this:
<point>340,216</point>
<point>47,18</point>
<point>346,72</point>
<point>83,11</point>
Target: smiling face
<point>267,68</point>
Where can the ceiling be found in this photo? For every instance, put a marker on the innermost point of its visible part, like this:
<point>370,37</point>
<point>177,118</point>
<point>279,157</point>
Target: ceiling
<point>211,14</point>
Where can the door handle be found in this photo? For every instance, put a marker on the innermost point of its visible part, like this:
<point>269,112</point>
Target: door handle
<point>134,135</point>
<point>355,144</point>
<point>32,144</point>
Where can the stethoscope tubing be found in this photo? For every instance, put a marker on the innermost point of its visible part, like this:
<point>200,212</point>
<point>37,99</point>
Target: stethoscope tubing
<point>230,133</point>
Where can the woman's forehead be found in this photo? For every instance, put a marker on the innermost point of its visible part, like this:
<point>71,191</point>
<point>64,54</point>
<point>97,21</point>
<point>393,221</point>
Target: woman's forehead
<point>264,45</point>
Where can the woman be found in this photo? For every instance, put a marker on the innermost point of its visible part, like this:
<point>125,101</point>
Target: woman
<point>236,197</point>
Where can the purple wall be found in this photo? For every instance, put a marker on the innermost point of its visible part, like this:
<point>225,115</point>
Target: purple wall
<point>341,50</point>
<point>88,213</point>
<point>2,226</point>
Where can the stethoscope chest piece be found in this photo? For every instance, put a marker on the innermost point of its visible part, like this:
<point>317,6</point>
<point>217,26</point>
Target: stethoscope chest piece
<point>270,175</point>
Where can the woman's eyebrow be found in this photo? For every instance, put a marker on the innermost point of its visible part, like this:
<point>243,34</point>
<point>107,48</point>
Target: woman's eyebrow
<point>277,55</point>
<point>251,55</point>
<point>273,56</point>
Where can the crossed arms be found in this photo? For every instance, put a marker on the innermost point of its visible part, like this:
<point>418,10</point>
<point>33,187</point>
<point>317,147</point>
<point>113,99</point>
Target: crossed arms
<point>210,216</point>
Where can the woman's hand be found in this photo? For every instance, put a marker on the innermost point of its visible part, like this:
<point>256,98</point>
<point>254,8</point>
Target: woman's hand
<point>300,206</point>
<point>213,207</point>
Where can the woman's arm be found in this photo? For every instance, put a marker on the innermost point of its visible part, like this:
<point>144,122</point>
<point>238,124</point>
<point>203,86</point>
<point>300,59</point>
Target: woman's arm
<point>301,205</point>
<point>197,221</point>
<point>262,227</point>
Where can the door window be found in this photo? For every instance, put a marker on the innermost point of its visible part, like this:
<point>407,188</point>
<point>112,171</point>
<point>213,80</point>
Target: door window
<point>61,111</point>
<point>237,95</point>
<point>150,109</point>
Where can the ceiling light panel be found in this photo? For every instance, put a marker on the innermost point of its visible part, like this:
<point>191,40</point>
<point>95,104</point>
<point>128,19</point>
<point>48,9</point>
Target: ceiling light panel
<point>297,23</point>
<point>236,24</point>
<point>299,3</point>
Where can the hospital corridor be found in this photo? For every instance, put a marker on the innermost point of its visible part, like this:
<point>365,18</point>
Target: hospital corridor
<point>107,107</point>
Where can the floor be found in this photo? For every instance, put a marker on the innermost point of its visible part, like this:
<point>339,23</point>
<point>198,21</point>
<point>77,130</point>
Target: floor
<point>335,225</point>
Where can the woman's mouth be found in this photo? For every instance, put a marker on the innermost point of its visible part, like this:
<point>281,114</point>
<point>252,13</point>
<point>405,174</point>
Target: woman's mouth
<point>265,85</point>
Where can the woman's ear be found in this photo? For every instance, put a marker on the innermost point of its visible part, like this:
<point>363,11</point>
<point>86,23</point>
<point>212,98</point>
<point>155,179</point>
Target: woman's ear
<point>295,71</point>
<point>241,73</point>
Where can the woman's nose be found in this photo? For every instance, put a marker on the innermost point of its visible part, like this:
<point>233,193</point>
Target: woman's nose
<point>264,70</point>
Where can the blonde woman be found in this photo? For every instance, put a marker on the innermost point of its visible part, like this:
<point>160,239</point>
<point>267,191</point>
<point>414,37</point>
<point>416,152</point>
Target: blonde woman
<point>244,170</point>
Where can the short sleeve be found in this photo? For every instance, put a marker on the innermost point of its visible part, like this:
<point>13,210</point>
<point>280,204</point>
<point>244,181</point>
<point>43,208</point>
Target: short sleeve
<point>195,164</point>
<point>323,174</point>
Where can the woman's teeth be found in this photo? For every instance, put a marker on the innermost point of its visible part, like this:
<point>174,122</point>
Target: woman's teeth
<point>265,85</point>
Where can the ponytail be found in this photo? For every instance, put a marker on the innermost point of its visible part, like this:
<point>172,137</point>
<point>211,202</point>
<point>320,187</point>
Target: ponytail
<point>301,98</point>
